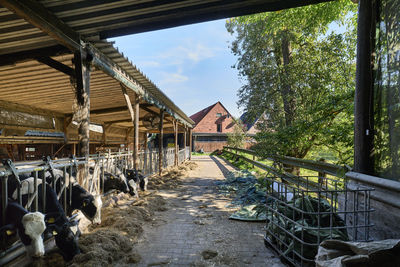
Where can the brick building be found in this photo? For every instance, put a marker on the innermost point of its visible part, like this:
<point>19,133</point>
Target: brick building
<point>212,125</point>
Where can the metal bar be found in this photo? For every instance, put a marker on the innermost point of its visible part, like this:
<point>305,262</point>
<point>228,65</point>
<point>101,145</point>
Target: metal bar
<point>44,191</point>
<point>35,181</point>
<point>4,202</point>
<point>363,99</point>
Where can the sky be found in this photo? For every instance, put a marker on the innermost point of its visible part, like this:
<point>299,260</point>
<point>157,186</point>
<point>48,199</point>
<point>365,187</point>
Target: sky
<point>191,64</point>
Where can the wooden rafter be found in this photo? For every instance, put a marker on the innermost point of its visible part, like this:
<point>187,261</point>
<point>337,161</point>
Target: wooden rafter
<point>57,65</point>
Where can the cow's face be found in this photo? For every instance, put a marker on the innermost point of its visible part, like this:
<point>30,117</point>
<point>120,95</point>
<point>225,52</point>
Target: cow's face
<point>34,226</point>
<point>99,204</point>
<point>89,208</point>
<point>133,188</point>
<point>67,241</point>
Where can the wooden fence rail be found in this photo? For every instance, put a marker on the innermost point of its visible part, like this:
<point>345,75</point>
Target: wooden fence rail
<point>318,166</point>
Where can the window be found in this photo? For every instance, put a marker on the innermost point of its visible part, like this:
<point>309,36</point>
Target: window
<point>219,115</point>
<point>219,127</point>
<point>387,92</point>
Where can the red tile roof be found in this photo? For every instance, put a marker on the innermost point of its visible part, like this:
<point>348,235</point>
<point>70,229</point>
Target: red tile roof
<point>197,117</point>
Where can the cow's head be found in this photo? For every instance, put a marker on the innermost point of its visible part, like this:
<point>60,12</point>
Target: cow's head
<point>88,207</point>
<point>133,188</point>
<point>98,204</point>
<point>34,226</point>
<point>66,237</point>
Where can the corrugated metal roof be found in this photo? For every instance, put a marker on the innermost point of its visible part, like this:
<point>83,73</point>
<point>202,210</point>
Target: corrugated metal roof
<point>103,19</point>
<point>108,49</point>
<point>35,84</point>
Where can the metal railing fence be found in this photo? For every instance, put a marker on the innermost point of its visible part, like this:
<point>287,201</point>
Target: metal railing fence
<point>123,159</point>
<point>302,211</point>
<point>318,166</point>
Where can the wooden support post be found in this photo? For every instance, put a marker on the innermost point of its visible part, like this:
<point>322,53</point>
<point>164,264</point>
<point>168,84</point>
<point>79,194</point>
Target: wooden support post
<point>135,122</point>
<point>67,122</point>
<point>191,144</point>
<point>321,175</point>
<point>136,137</point>
<point>184,138</point>
<point>160,142</point>
<point>176,142</point>
<point>82,114</point>
<point>145,153</point>
<point>363,99</point>
<point>105,126</point>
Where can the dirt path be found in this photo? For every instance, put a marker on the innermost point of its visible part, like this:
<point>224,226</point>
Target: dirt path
<point>195,230</point>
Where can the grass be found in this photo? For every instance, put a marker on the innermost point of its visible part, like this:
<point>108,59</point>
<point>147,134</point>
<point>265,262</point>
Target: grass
<point>244,165</point>
<point>200,154</point>
<point>240,163</point>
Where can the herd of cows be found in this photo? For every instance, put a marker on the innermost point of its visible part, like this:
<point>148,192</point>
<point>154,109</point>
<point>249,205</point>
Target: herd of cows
<point>52,219</point>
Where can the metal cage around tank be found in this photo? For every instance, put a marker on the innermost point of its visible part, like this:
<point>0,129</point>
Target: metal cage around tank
<point>301,215</point>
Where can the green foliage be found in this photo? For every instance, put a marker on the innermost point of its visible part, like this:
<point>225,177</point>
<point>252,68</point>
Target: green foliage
<point>300,76</point>
<point>238,137</point>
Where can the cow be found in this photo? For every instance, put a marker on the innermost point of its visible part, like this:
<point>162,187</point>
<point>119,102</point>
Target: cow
<point>135,176</point>
<point>65,231</point>
<point>29,225</point>
<point>81,199</point>
<point>119,182</point>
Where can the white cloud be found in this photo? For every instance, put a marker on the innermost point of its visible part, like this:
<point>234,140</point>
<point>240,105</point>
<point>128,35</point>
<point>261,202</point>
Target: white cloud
<point>190,52</point>
<point>151,63</point>
<point>172,78</point>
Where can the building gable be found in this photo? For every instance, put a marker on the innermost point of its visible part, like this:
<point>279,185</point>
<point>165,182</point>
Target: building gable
<point>213,119</point>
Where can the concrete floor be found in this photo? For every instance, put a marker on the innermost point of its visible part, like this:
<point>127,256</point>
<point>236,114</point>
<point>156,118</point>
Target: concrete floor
<point>196,231</point>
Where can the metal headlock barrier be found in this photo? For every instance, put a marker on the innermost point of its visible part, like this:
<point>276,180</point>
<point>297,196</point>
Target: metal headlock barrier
<point>66,168</point>
<point>302,211</point>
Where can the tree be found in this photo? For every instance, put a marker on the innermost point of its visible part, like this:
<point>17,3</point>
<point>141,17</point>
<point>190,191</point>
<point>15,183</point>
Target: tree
<point>302,77</point>
<point>238,137</point>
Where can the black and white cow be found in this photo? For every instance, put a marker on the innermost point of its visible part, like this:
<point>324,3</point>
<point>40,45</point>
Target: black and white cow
<point>29,225</point>
<point>66,232</point>
<point>81,199</point>
<point>135,176</point>
<point>119,182</point>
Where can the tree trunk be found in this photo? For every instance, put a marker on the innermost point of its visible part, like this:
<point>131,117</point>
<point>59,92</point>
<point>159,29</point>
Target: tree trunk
<point>287,92</point>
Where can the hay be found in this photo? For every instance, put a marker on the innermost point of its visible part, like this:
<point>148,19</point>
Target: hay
<point>113,242</point>
<point>172,176</point>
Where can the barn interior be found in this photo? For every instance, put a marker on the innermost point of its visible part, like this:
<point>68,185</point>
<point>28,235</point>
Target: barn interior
<point>65,90</point>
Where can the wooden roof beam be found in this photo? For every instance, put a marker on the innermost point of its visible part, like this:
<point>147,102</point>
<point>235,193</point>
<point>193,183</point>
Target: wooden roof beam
<point>36,14</point>
<point>120,109</point>
<point>108,110</point>
<point>57,65</point>
<point>13,58</point>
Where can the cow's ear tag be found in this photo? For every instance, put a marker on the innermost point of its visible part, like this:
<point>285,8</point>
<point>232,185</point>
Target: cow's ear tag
<point>84,204</point>
<point>55,233</point>
<point>51,220</point>
<point>10,232</point>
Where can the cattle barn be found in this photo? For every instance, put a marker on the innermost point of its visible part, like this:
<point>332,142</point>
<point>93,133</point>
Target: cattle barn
<point>66,90</point>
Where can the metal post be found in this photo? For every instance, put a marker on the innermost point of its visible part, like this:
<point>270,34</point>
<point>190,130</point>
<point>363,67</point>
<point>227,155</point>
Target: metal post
<point>4,194</point>
<point>363,99</point>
